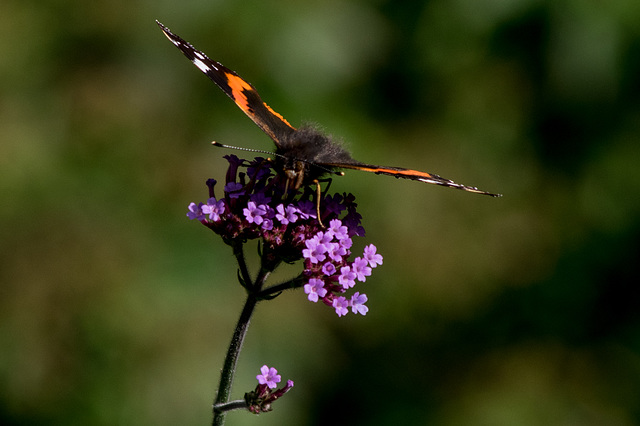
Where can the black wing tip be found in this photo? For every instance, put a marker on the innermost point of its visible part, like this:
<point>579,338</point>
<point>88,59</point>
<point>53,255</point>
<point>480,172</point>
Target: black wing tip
<point>475,190</point>
<point>165,30</point>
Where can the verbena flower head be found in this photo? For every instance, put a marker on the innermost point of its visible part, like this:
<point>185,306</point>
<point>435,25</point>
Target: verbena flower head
<point>253,205</point>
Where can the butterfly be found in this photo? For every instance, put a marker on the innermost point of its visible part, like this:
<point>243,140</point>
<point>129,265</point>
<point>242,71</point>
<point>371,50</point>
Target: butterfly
<point>304,154</point>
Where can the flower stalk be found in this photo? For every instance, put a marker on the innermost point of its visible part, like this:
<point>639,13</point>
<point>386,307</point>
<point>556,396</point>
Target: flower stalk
<point>231,361</point>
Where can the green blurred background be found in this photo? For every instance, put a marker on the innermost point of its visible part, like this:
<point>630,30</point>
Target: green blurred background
<point>524,310</point>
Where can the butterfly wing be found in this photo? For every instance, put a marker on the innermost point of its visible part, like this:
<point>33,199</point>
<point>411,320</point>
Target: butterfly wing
<point>239,90</point>
<point>410,174</point>
<point>274,125</point>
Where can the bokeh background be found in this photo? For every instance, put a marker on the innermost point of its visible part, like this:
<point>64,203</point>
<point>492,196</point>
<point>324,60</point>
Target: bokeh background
<point>524,310</point>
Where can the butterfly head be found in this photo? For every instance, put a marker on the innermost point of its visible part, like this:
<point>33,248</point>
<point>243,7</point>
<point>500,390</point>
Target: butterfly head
<point>295,174</point>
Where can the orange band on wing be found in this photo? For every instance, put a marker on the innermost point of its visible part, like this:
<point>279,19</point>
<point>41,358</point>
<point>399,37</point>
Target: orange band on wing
<point>238,88</point>
<point>278,115</point>
<point>393,171</point>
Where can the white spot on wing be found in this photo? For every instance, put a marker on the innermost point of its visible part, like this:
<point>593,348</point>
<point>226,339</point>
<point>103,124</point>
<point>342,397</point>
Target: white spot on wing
<point>201,65</point>
<point>437,182</point>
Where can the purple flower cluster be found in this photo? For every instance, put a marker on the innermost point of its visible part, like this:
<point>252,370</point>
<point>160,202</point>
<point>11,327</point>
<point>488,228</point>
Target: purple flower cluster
<point>254,205</point>
<point>330,273</point>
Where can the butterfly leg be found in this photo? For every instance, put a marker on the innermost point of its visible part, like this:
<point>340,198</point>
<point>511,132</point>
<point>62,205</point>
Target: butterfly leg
<point>318,197</point>
<point>329,181</point>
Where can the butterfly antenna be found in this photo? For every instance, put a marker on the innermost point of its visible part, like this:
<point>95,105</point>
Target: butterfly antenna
<point>214,143</point>
<point>261,151</point>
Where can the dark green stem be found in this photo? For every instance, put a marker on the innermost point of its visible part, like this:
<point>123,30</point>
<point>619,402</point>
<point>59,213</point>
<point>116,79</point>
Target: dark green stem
<point>233,405</point>
<point>238,252</point>
<point>294,283</point>
<point>221,404</point>
<point>231,360</point>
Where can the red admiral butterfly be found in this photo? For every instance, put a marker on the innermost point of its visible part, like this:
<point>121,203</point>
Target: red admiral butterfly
<point>304,154</point>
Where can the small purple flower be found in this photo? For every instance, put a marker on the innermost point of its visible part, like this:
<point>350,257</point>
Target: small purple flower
<point>254,213</point>
<point>336,251</point>
<point>278,393</point>
<point>346,243</point>
<point>314,251</point>
<point>234,163</point>
<point>267,224</point>
<point>234,189</point>
<point>213,208</point>
<point>260,198</point>
<point>307,209</point>
<point>361,268</point>
<point>286,215</point>
<point>371,256</point>
<point>195,211</point>
<point>211,184</point>
<point>233,160</point>
<point>347,278</point>
<point>323,238</point>
<point>339,231</point>
<point>352,221</point>
<point>269,376</point>
<point>315,289</point>
<point>341,305</point>
<point>257,169</point>
<point>260,400</point>
<point>357,303</point>
<point>328,269</point>
<point>334,204</point>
